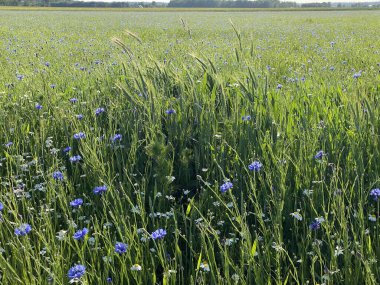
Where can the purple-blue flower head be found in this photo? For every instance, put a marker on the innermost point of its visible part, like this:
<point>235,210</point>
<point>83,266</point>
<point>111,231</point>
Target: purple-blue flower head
<point>375,194</point>
<point>47,64</point>
<point>158,234</point>
<point>8,144</point>
<point>255,166</point>
<point>116,137</point>
<point>79,136</point>
<point>121,248</point>
<point>79,235</point>
<point>53,86</point>
<point>38,106</point>
<point>99,111</point>
<point>357,75</point>
<point>76,272</point>
<point>226,186</point>
<point>170,111</point>
<point>73,100</point>
<point>315,225</point>
<point>20,77</point>
<point>246,118</point>
<point>80,117</point>
<point>75,158</point>
<point>98,190</point>
<point>76,203</point>
<point>23,230</point>
<point>279,86</point>
<point>57,175</point>
<point>109,280</point>
<point>319,154</point>
<point>66,149</point>
<point>1,206</point>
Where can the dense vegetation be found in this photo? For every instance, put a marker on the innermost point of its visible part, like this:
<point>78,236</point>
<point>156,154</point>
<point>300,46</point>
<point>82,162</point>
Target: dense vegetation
<point>193,150</point>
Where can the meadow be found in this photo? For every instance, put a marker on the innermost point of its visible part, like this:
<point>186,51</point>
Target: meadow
<point>189,148</point>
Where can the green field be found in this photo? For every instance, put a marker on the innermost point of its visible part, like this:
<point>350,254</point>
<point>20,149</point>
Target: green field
<point>251,139</point>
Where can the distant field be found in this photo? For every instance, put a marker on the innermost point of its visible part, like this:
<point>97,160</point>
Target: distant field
<point>189,148</point>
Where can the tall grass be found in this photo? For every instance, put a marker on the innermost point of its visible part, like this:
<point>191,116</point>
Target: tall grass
<point>196,98</point>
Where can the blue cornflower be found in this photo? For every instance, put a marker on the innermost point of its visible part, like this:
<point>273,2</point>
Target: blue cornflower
<point>79,136</point>
<point>38,106</point>
<point>76,203</point>
<point>279,86</point>
<point>375,194</point>
<point>53,86</point>
<point>255,166</point>
<point>80,234</point>
<point>158,234</point>
<point>80,117</point>
<point>170,111</point>
<point>8,144</point>
<point>319,154</point>
<point>357,75</point>
<point>1,206</point>
<point>76,271</point>
<point>75,158</point>
<point>23,230</point>
<point>47,64</point>
<point>121,248</point>
<point>99,111</point>
<point>246,118</point>
<point>109,280</point>
<point>73,100</point>
<point>67,149</point>
<point>20,76</point>
<point>57,175</point>
<point>98,190</point>
<point>315,225</point>
<point>226,186</point>
<point>116,137</point>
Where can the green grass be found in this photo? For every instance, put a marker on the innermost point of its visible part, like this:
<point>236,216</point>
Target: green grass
<point>166,172</point>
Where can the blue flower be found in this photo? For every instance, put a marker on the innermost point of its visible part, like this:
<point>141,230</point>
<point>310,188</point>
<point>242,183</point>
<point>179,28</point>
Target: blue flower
<point>23,230</point>
<point>80,117</point>
<point>75,158</point>
<point>66,149</point>
<point>375,194</point>
<point>315,225</point>
<point>357,75</point>
<point>76,203</point>
<point>38,106</point>
<point>99,111</point>
<point>121,247</point>
<point>8,144</point>
<point>98,190</point>
<point>109,280</point>
<point>279,86</point>
<point>20,76</point>
<point>53,86</point>
<point>57,175</point>
<point>1,206</point>
<point>47,64</point>
<point>79,136</point>
<point>76,271</point>
<point>170,111</point>
<point>255,166</point>
<point>226,186</point>
<point>246,118</point>
<point>319,154</point>
<point>158,234</point>
<point>80,234</point>
<point>73,100</point>
<point>116,137</point>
